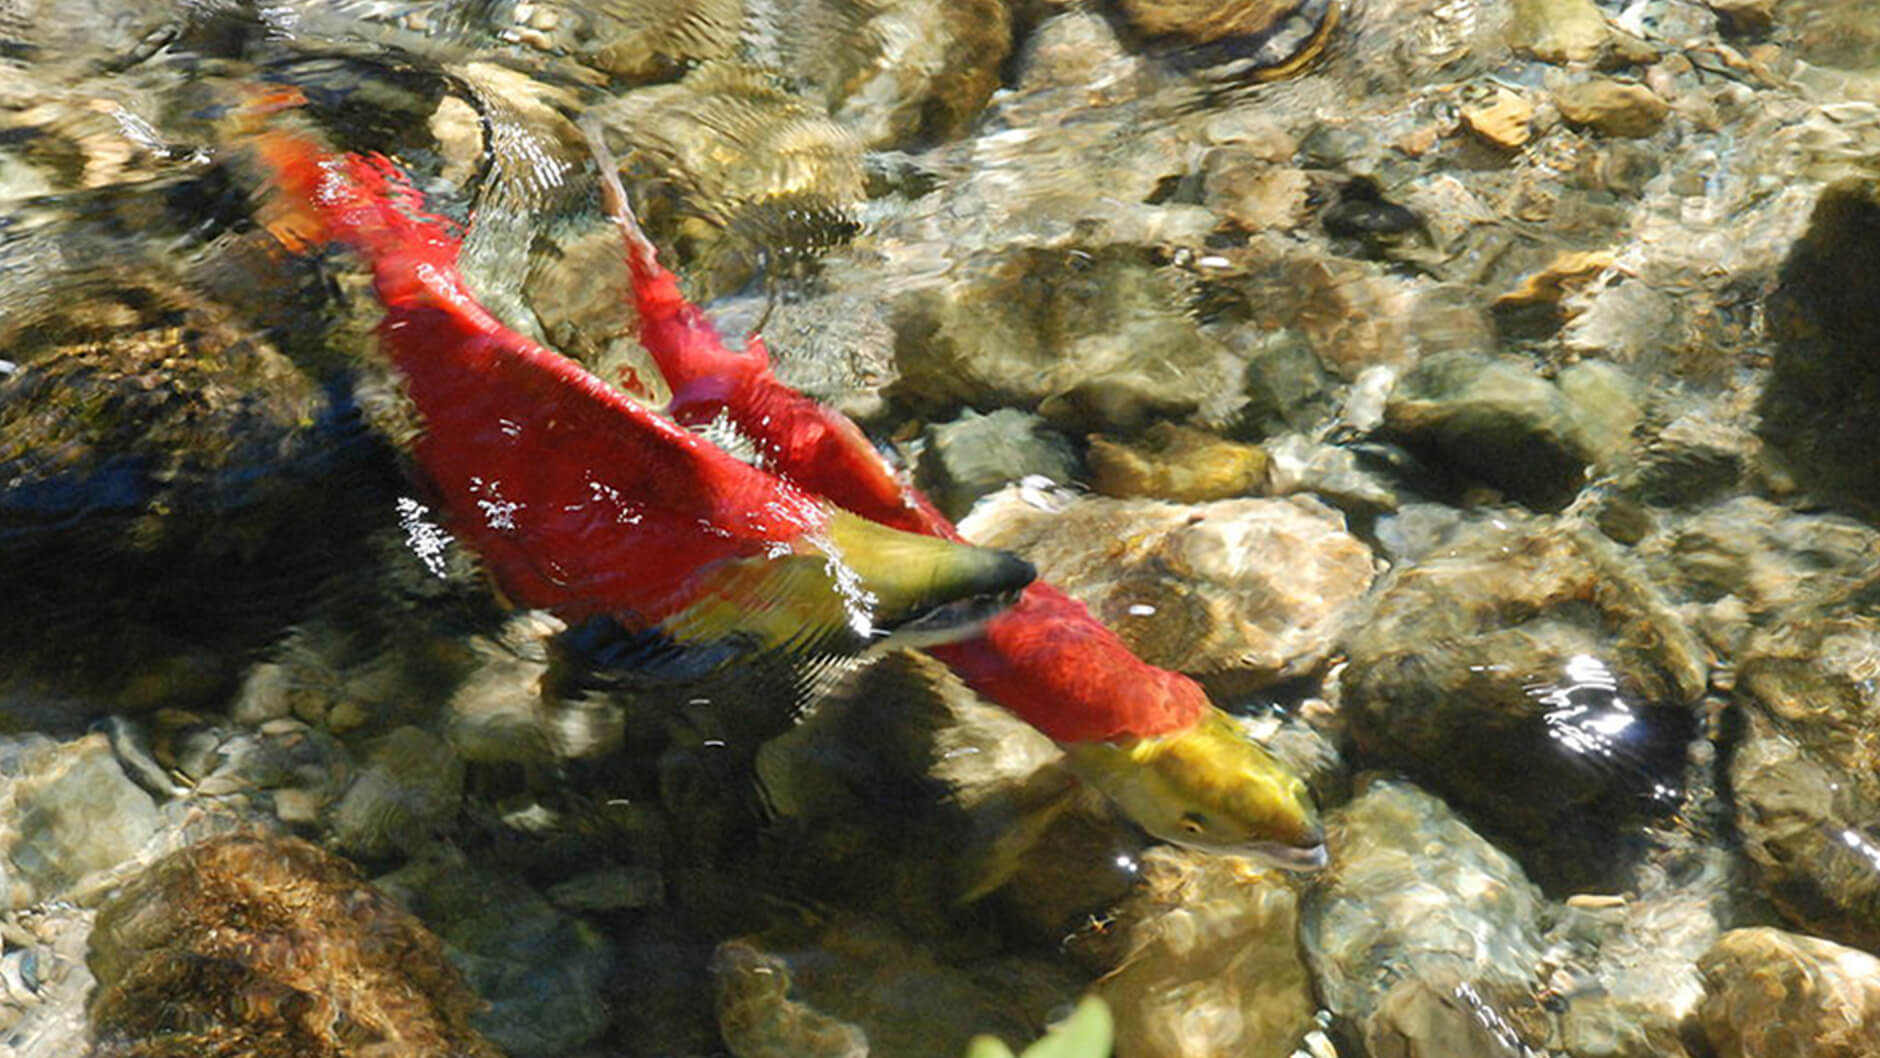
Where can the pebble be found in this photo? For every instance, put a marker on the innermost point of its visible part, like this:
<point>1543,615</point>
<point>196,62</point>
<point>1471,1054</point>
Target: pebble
<point>1505,119</point>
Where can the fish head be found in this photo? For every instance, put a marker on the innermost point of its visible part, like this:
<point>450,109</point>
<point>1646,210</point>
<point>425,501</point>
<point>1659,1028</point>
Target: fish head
<point>1209,787</point>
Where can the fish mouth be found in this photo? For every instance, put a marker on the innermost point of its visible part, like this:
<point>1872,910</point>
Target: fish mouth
<point>1301,859</point>
<point>950,622</point>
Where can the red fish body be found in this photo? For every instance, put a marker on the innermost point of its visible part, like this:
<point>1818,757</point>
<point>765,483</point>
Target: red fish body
<point>578,499</point>
<point>1046,659</point>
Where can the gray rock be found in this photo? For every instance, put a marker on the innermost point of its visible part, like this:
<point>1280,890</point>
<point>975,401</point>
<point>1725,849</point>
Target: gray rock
<point>544,973</point>
<point>976,454</point>
<point>1423,938</point>
<point>67,814</point>
<point>1494,420</point>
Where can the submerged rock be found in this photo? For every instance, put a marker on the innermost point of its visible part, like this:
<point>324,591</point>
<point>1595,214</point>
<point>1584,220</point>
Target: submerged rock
<point>903,760</point>
<point>856,986</point>
<point>1176,463</point>
<point>1623,976</point>
<point>268,947</point>
<point>1098,338</point>
<point>1770,992</point>
<point>1806,779</point>
<point>1423,938</point>
<point>1496,420</point>
<point>67,813</point>
<point>158,460</point>
<point>543,974</point>
<point>1823,401</point>
<point>1241,591</point>
<point>976,454</point>
<point>896,73</point>
<point>405,794</point>
<point>1748,560</point>
<point>1209,961</point>
<point>1613,108</point>
<point>1558,31</point>
<point>755,178</point>
<point>758,1018</point>
<point>1529,671</point>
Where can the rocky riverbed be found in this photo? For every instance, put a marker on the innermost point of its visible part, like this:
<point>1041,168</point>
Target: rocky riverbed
<point>1477,396</point>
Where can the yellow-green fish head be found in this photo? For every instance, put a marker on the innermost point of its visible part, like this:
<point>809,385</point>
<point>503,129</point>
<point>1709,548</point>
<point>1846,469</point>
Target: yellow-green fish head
<point>1209,787</point>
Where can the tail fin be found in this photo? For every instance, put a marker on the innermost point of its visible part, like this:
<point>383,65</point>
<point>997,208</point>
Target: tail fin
<point>312,196</point>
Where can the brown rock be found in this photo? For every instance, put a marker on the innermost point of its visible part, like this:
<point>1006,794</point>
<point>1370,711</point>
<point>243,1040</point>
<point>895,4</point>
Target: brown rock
<point>1177,463</point>
<point>1744,16</point>
<point>1504,120</point>
<point>1253,194</point>
<point>1558,31</point>
<point>1770,992</point>
<point>1212,966</point>
<point>1242,591</point>
<point>1613,108</point>
<point>268,947</point>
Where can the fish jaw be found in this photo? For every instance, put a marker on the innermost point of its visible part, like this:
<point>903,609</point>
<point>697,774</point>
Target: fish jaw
<point>1208,787</point>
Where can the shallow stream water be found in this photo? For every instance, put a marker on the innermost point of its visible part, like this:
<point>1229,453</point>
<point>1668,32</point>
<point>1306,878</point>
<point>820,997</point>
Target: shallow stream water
<point>1474,397</point>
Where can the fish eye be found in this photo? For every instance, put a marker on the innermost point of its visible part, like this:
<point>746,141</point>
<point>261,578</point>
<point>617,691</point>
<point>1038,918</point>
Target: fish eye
<point>1194,823</point>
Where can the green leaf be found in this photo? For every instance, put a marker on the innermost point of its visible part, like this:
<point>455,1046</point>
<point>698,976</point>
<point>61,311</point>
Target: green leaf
<point>1085,1034</point>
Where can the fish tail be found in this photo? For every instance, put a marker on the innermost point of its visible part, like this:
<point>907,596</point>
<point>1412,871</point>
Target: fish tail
<point>313,196</point>
<point>701,371</point>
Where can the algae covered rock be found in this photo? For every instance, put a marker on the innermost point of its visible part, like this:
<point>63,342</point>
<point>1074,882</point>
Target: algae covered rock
<point>158,463</point>
<point>268,947</point>
<point>1244,591</point>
